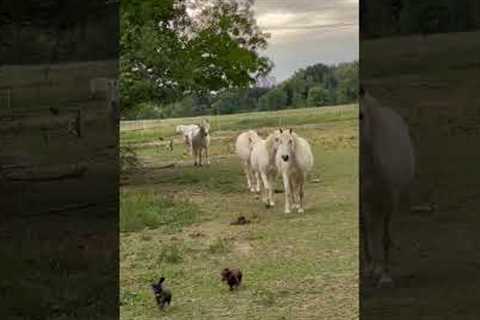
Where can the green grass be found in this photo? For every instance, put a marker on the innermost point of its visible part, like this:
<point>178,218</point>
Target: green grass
<point>294,266</point>
<point>291,117</point>
<point>140,210</point>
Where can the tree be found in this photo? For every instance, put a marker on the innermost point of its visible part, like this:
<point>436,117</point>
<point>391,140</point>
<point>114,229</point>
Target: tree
<point>275,99</point>
<point>347,78</point>
<point>317,96</point>
<point>173,48</point>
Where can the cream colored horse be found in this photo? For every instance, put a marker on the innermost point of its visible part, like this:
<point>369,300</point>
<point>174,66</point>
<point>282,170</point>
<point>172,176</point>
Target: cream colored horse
<point>294,160</point>
<point>387,167</point>
<point>262,160</point>
<point>243,149</point>
<point>200,140</point>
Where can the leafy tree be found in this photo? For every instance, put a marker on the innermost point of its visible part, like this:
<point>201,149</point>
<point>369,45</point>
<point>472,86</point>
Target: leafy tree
<point>275,99</point>
<point>318,96</point>
<point>347,79</point>
<point>172,48</point>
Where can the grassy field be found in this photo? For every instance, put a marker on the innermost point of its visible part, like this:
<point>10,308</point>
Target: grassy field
<point>176,222</point>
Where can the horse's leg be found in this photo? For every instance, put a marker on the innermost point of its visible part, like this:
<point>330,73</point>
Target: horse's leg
<point>267,191</point>
<point>195,156</point>
<point>366,239</point>
<point>257,179</point>
<point>188,145</point>
<point>375,225</point>
<point>247,172</point>
<point>206,156</point>
<point>385,278</point>
<point>286,186</point>
<point>270,189</point>
<point>300,186</point>
<point>200,156</point>
<point>251,177</point>
<point>292,192</point>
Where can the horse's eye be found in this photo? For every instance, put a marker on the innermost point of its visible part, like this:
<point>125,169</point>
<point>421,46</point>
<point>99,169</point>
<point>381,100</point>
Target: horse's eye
<point>290,141</point>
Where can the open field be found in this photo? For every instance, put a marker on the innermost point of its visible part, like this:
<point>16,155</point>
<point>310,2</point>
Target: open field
<point>176,222</point>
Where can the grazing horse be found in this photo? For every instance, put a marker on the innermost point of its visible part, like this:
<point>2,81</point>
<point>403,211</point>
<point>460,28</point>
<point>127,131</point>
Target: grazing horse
<point>387,166</point>
<point>200,140</point>
<point>243,148</point>
<point>294,160</point>
<point>262,161</point>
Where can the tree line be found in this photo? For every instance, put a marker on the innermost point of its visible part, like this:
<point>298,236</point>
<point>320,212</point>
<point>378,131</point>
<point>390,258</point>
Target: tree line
<point>315,86</point>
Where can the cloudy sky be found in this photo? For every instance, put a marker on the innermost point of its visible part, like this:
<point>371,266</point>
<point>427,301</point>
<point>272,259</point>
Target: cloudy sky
<point>304,32</point>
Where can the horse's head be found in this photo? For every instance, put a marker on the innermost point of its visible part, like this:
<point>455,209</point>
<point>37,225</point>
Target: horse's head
<point>275,139</point>
<point>204,128</point>
<point>253,137</point>
<point>286,145</point>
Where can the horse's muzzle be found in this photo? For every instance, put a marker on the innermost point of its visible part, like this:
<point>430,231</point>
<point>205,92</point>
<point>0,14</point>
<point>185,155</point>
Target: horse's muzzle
<point>285,158</point>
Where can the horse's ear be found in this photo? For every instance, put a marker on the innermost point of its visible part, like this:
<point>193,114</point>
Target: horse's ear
<point>281,131</point>
<point>290,130</point>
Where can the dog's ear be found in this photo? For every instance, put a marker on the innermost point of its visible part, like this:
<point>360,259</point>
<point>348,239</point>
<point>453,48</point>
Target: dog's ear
<point>161,280</point>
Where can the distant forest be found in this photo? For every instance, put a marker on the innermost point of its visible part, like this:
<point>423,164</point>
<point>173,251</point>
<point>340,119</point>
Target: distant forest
<point>315,86</point>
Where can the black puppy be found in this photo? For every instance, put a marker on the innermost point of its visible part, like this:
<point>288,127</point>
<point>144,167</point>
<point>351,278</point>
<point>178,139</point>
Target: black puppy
<point>232,277</point>
<point>163,295</point>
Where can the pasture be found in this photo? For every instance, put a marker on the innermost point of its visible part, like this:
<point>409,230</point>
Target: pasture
<point>175,221</point>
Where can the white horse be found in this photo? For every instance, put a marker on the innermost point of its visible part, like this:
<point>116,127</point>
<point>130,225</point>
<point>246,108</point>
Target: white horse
<point>200,140</point>
<point>185,131</point>
<point>387,167</point>
<point>243,148</point>
<point>262,161</point>
<point>294,160</point>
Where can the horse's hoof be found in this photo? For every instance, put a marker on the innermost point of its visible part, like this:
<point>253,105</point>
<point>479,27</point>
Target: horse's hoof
<point>272,204</point>
<point>252,190</point>
<point>300,210</point>
<point>385,281</point>
<point>287,211</point>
